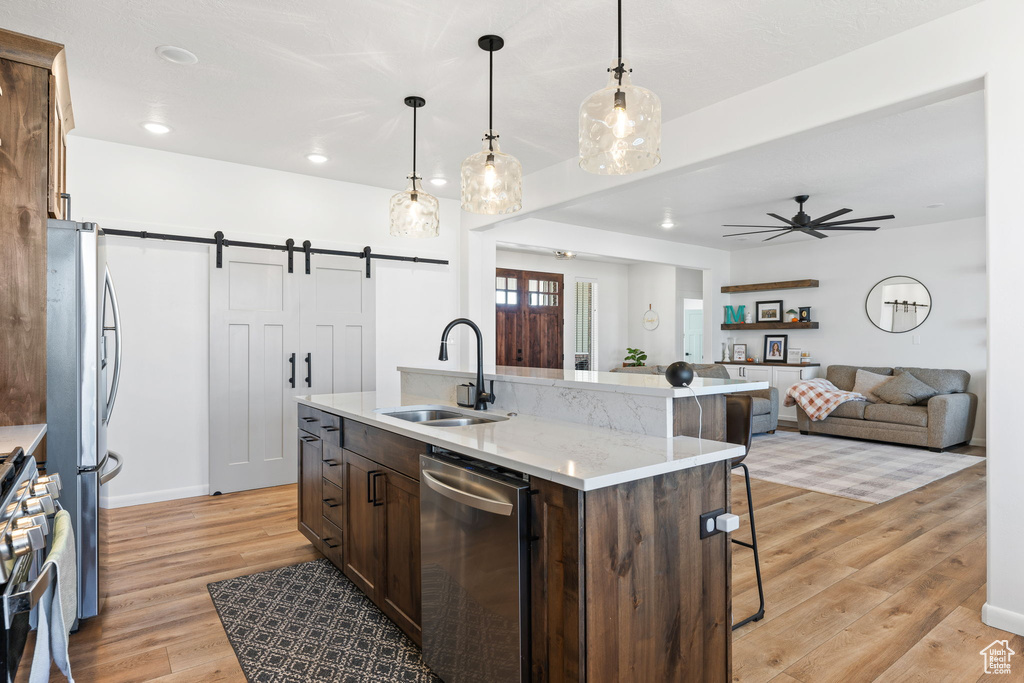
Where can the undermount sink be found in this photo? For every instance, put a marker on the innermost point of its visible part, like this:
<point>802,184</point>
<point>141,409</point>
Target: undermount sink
<point>439,416</point>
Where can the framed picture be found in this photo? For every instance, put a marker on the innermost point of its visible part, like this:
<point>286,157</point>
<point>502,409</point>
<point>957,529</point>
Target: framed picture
<point>775,347</point>
<point>793,356</point>
<point>739,353</point>
<point>769,312</point>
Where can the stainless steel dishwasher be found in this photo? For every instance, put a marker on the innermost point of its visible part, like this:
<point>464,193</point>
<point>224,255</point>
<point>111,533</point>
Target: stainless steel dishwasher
<point>474,552</point>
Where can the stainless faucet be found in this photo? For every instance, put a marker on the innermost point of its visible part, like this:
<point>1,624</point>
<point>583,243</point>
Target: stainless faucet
<point>482,397</point>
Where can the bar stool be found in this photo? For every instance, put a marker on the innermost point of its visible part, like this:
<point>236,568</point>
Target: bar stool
<point>739,418</point>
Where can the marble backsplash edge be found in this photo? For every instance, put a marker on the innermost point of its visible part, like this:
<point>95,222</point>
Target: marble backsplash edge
<point>650,415</point>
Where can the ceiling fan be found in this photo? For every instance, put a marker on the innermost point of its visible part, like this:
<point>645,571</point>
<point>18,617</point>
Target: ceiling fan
<point>803,223</point>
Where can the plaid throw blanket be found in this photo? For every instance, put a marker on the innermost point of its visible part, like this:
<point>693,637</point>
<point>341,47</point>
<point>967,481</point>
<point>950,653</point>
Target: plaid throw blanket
<point>819,397</point>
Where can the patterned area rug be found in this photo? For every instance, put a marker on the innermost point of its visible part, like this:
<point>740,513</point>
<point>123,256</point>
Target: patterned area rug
<point>862,470</point>
<point>308,624</point>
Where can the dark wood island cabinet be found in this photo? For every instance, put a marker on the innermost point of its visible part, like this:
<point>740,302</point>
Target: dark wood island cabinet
<point>622,586</point>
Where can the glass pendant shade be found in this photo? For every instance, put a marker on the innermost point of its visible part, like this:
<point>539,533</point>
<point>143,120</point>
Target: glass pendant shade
<point>414,213</point>
<point>620,128</point>
<point>492,181</point>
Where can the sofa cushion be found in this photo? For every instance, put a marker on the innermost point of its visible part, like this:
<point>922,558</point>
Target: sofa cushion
<point>845,376</point>
<point>943,381</point>
<point>904,389</point>
<point>916,416</point>
<point>713,371</point>
<point>867,382</point>
<point>760,406</point>
<point>851,409</point>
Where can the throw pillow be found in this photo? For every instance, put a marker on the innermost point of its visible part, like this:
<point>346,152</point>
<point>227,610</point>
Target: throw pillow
<point>905,390</point>
<point>867,382</point>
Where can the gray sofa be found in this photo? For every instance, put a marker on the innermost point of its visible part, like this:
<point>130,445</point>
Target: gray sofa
<point>766,401</point>
<point>939,423</point>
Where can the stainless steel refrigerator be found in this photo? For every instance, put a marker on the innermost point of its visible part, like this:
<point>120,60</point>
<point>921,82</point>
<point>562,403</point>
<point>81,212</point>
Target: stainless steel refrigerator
<point>83,368</point>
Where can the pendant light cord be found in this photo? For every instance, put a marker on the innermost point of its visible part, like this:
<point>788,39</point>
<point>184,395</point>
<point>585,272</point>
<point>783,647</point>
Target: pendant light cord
<point>619,69</point>
<point>490,101</point>
<point>414,143</point>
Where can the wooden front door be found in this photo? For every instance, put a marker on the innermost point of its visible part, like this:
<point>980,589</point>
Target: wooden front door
<point>530,323</point>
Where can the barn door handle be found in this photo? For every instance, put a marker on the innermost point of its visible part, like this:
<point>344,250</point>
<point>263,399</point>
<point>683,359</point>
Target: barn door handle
<point>292,361</point>
<point>309,369</point>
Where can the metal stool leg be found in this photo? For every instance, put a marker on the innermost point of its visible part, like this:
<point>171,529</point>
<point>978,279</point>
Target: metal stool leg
<point>753,546</point>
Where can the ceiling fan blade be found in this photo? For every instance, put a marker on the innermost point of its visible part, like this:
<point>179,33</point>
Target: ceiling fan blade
<point>857,220</point>
<point>829,216</point>
<point>755,232</point>
<point>849,227</point>
<point>819,235</point>
<point>785,220</point>
<point>780,234</point>
<point>734,225</point>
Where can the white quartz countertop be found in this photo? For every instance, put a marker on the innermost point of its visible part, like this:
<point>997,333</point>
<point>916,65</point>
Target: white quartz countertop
<point>575,455</point>
<point>622,382</point>
<point>26,436</point>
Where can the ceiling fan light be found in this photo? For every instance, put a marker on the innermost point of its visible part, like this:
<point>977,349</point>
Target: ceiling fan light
<point>492,181</point>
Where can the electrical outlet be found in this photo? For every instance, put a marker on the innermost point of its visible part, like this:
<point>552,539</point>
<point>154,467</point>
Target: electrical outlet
<point>707,523</point>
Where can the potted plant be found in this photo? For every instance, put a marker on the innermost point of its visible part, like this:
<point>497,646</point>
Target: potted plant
<point>634,358</point>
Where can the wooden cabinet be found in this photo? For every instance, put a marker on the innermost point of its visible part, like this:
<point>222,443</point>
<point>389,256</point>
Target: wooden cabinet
<point>359,504</point>
<point>310,487</point>
<point>35,113</point>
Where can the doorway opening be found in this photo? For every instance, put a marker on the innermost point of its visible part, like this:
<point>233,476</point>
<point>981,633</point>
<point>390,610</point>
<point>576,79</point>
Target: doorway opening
<point>586,324</point>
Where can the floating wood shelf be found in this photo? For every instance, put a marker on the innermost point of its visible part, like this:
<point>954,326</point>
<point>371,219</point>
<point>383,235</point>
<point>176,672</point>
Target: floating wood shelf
<point>770,326</point>
<point>769,365</point>
<point>769,286</point>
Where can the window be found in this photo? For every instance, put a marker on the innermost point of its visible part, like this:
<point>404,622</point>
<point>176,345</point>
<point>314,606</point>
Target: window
<point>505,292</point>
<point>586,325</point>
<point>542,292</point>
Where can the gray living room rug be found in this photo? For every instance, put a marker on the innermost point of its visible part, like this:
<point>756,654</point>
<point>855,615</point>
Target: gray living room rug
<point>862,470</point>
<point>308,623</point>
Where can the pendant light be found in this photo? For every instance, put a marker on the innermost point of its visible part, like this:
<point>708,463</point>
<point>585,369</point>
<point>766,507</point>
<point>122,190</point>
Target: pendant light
<point>492,181</point>
<point>620,125</point>
<point>414,213</point>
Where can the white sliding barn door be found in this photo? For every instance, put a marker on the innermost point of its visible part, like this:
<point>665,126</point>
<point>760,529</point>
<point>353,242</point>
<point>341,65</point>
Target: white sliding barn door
<point>337,318</point>
<point>260,314</point>
<point>254,316</point>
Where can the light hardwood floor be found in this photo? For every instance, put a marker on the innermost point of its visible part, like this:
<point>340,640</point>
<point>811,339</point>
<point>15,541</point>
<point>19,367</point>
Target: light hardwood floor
<point>855,592</point>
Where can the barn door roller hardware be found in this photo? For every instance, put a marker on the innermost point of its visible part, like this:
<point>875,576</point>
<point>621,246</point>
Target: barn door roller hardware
<point>221,242</point>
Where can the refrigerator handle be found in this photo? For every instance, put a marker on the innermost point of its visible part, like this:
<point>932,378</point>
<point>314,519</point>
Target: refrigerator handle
<point>107,476</point>
<point>108,287</point>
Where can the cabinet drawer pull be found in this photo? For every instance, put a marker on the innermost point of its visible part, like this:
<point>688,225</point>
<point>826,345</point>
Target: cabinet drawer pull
<point>331,429</point>
<point>309,419</point>
<point>308,439</point>
<point>331,463</point>
<point>376,503</point>
<point>329,544</point>
<point>331,503</point>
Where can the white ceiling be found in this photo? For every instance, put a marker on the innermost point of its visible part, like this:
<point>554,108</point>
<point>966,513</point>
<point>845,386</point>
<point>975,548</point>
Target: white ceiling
<point>544,251</point>
<point>894,165</point>
<point>278,79</point>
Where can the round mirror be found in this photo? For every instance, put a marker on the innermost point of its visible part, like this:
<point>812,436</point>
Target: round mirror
<point>898,304</point>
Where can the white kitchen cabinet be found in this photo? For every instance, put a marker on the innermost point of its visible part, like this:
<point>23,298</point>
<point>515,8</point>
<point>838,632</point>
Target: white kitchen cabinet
<point>781,377</point>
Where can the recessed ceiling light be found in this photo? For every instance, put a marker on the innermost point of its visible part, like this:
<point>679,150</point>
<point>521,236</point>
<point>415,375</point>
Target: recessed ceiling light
<point>438,181</point>
<point>935,206</point>
<point>668,224</point>
<point>176,55</point>
<point>316,158</point>
<point>156,128</point>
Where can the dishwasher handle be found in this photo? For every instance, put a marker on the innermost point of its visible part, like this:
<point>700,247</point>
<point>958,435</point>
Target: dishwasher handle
<point>498,507</point>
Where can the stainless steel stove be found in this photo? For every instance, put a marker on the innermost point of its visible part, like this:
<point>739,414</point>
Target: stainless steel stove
<point>28,502</point>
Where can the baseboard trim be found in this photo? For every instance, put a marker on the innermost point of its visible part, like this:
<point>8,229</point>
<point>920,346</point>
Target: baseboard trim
<point>130,499</point>
<point>1004,619</point>
<point>978,442</point>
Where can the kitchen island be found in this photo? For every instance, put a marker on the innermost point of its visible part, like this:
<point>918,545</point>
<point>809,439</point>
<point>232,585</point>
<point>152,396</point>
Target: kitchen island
<point>623,584</point>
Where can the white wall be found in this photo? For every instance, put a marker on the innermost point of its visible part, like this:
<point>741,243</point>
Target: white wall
<point>478,259</point>
<point>612,286</point>
<point>948,258</point>
<point>652,285</point>
<point>161,422</point>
